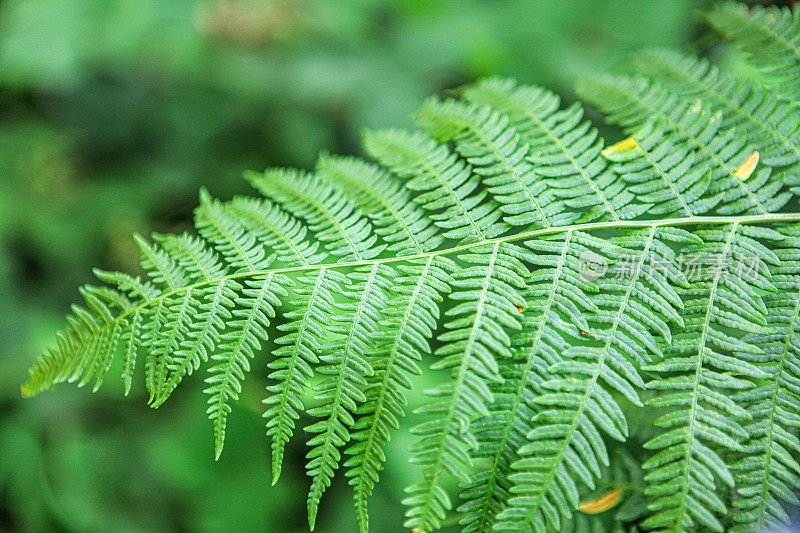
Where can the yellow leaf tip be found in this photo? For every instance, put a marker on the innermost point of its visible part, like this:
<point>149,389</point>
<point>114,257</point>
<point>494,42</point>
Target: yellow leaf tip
<point>746,169</point>
<point>601,504</point>
<point>622,146</point>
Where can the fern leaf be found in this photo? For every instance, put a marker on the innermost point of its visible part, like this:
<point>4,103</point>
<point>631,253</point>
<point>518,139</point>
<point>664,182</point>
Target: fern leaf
<point>577,405</point>
<point>137,291</point>
<point>572,271</point>
<point>345,363</point>
<point>525,199</point>
<point>400,222</point>
<point>562,146</point>
<point>160,334</point>
<point>632,101</point>
<point>769,472</point>
<point>98,318</point>
<point>771,124</point>
<point>695,379</point>
<point>211,306</point>
<point>665,172</point>
<point>276,230</point>
<point>488,292</point>
<point>237,346</point>
<point>298,349</point>
<point>445,181</point>
<point>503,432</point>
<point>334,219</point>
<point>83,348</point>
<point>236,244</point>
<point>410,319</point>
<point>769,36</point>
<point>106,299</point>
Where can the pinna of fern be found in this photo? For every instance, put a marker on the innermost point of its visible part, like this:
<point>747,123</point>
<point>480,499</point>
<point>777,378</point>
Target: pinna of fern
<point>535,274</point>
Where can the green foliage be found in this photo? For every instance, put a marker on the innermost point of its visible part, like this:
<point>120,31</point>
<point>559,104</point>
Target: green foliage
<point>621,318</point>
<point>769,39</point>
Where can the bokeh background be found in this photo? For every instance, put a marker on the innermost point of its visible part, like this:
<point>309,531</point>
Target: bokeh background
<point>113,113</point>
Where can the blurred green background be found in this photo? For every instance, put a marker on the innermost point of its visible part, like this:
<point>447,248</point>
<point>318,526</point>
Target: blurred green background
<point>113,113</point>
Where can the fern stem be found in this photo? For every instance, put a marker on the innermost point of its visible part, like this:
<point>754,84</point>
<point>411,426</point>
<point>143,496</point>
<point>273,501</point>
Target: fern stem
<point>28,390</point>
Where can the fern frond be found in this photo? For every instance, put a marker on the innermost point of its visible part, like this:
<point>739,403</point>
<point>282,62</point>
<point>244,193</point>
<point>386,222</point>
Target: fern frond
<point>93,332</point>
<point>569,274</point>
<point>769,472</point>
<point>345,358</point>
<point>664,173</point>
<point>212,312</point>
<point>276,230</point>
<point>633,101</point>
<point>445,181</point>
<point>187,347</point>
<point>136,290</point>
<point>495,152</point>
<point>695,380</point>
<point>488,294</point>
<point>771,124</point>
<point>576,404</point>
<point>769,36</point>
<point>237,245</point>
<point>163,270</point>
